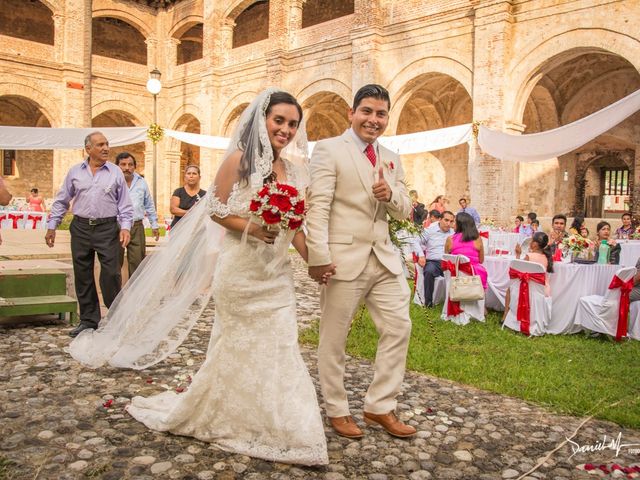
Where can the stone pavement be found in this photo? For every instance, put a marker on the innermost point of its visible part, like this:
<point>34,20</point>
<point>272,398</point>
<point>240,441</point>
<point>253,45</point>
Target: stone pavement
<point>61,421</point>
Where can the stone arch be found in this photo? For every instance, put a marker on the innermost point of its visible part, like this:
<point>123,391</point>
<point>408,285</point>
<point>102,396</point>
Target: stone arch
<point>319,11</point>
<point>401,86</point>
<point>129,17</point>
<point>232,120</point>
<point>340,88</point>
<point>236,8</point>
<point>120,118</point>
<point>190,34</point>
<point>533,63</point>
<point>184,24</point>
<point>32,21</point>
<point>118,39</point>
<point>189,154</point>
<point>25,89</point>
<point>139,118</point>
<point>326,115</point>
<point>28,168</point>
<point>251,24</point>
<point>232,111</point>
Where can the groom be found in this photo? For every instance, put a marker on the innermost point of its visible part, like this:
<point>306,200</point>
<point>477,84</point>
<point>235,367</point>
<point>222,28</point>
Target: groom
<point>355,183</point>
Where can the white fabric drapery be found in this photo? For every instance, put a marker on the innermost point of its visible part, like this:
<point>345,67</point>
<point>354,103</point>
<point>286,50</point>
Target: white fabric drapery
<point>206,141</point>
<point>428,141</point>
<point>43,138</point>
<point>536,147</point>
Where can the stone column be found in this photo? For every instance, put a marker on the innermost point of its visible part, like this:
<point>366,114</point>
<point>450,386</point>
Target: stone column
<point>634,187</point>
<point>365,40</point>
<point>295,22</point>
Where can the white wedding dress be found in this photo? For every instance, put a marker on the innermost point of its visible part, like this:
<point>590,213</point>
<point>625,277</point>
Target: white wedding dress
<point>253,394</point>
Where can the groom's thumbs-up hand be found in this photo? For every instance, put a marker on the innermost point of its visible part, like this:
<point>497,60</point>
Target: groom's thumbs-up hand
<point>381,189</point>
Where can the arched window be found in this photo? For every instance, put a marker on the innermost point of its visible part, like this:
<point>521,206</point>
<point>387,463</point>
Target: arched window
<point>190,47</point>
<point>252,25</point>
<point>318,11</point>
<point>29,20</point>
<point>115,38</point>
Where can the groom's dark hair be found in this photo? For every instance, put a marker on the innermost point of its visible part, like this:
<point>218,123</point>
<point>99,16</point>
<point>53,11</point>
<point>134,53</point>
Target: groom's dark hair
<point>371,91</point>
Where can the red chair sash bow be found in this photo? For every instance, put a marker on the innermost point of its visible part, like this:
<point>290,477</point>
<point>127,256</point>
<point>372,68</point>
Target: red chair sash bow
<point>623,311</point>
<point>524,307</point>
<point>502,252</point>
<point>34,219</point>
<point>453,308</point>
<point>484,234</point>
<point>15,217</point>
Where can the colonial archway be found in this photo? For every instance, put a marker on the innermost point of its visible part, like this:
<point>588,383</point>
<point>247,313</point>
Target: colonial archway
<point>27,20</point>
<point>119,118</point>
<point>326,115</point>
<point>436,100</point>
<point>116,38</point>
<point>570,86</point>
<point>25,169</point>
<point>232,120</point>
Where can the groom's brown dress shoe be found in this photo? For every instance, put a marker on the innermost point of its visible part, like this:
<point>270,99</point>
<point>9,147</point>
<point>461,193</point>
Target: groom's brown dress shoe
<point>390,423</point>
<point>346,427</point>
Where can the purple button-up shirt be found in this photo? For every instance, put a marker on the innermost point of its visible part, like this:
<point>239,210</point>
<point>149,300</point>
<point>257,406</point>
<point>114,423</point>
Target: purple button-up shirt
<point>102,195</point>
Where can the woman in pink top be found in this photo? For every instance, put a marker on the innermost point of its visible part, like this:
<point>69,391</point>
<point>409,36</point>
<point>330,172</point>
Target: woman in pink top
<point>438,204</point>
<point>466,241</point>
<point>35,201</point>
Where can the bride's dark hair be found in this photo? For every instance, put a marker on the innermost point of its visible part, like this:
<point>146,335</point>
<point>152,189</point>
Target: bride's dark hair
<point>246,160</point>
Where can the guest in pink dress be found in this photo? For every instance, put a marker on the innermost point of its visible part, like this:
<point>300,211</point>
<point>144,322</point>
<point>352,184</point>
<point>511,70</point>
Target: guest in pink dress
<point>35,201</point>
<point>466,241</point>
<point>519,220</point>
<point>440,204</point>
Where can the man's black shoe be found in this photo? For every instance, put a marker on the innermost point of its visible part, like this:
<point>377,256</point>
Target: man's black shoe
<point>76,331</point>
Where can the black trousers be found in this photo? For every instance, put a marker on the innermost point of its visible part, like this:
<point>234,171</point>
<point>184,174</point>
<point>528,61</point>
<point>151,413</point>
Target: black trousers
<point>86,241</point>
<point>432,269</point>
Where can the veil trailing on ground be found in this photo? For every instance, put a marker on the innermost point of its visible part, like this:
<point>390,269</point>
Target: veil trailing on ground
<point>162,301</point>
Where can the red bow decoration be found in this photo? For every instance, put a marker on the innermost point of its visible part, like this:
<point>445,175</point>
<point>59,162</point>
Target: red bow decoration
<point>2,217</point>
<point>557,256</point>
<point>34,219</point>
<point>524,308</point>
<point>485,235</point>
<point>453,308</point>
<point>15,217</point>
<point>623,312</point>
<point>502,252</point>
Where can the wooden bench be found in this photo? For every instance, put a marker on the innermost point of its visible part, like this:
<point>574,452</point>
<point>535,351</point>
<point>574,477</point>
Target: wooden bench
<point>36,292</point>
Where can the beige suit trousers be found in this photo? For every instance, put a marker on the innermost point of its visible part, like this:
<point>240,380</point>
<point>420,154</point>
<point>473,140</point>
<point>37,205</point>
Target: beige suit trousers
<point>387,298</point>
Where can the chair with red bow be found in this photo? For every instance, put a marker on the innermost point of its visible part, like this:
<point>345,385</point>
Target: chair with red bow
<point>634,321</point>
<point>608,314</point>
<point>418,293</point>
<point>529,308</point>
<point>459,313</point>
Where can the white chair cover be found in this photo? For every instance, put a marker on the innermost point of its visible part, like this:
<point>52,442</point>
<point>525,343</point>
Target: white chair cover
<point>540,304</point>
<point>524,246</point>
<point>600,314</point>
<point>472,309</point>
<point>634,321</point>
<point>438,288</point>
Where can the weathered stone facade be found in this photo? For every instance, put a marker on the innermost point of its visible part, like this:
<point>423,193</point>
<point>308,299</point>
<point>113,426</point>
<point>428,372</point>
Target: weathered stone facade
<point>523,66</point>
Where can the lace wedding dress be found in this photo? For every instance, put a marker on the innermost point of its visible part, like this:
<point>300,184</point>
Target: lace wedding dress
<point>253,394</point>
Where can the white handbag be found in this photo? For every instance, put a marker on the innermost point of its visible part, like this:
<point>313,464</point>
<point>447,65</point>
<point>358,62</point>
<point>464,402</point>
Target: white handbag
<point>465,288</point>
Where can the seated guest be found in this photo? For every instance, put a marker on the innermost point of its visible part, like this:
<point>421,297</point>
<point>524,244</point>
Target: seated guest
<point>539,252</point>
<point>418,212</point>
<point>603,234</point>
<point>584,231</point>
<point>519,221</point>
<point>429,248</point>
<point>438,204</point>
<point>433,217</point>
<point>466,241</point>
<point>626,230</point>
<point>558,232</point>
<point>576,226</point>
<point>535,226</point>
<point>525,229</point>
<point>465,208</point>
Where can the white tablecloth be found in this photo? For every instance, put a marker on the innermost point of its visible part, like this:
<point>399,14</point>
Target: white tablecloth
<point>503,241</point>
<point>630,252</point>
<point>569,282</point>
<point>23,221</point>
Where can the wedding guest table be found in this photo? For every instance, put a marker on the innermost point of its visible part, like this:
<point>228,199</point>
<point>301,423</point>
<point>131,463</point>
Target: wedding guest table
<point>569,282</point>
<point>22,220</point>
<point>503,241</point>
<point>630,252</point>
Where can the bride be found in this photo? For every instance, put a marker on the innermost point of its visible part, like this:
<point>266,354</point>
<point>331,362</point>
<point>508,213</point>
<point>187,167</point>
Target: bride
<point>253,394</point>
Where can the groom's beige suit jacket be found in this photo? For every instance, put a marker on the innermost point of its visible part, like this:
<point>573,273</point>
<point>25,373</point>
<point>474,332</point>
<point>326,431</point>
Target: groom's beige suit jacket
<point>345,222</point>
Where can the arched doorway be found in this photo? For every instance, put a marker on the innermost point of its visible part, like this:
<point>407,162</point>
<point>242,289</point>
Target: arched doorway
<point>436,100</point>
<point>25,169</point>
<point>326,115</point>
<point>118,118</point>
<point>597,179</point>
<point>189,154</point>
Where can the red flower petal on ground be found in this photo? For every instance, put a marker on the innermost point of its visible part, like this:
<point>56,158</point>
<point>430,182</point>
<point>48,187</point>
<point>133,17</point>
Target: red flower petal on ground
<point>429,410</point>
<point>589,466</point>
<point>270,218</point>
<point>149,380</point>
<point>179,389</point>
<point>281,202</point>
<point>294,224</point>
<point>615,466</point>
<point>604,468</point>
<point>189,379</point>
<point>255,205</point>
<point>108,403</point>
<point>299,208</point>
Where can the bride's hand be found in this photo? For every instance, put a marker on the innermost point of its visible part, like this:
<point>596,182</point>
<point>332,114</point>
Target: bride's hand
<point>262,234</point>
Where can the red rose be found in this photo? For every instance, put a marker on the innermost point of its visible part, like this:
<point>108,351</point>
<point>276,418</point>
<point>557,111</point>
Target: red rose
<point>589,466</point>
<point>294,224</point>
<point>391,166</point>
<point>291,191</point>
<point>255,205</point>
<point>299,208</point>
<point>270,218</point>
<point>281,202</point>
<point>264,191</point>
<point>108,403</point>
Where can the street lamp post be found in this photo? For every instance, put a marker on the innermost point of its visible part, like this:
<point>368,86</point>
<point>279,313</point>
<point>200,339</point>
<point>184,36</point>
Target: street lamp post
<point>153,87</point>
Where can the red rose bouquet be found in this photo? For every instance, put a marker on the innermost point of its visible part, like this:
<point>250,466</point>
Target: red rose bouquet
<point>278,204</point>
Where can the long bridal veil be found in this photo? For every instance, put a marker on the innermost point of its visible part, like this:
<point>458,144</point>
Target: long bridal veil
<point>162,301</point>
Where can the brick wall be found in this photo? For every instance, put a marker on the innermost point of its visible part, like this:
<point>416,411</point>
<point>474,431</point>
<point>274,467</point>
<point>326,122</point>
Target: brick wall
<point>28,20</point>
<point>318,11</point>
<point>252,25</point>
<point>117,39</point>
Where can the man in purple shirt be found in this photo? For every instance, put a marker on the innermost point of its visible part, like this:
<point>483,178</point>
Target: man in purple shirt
<point>100,200</point>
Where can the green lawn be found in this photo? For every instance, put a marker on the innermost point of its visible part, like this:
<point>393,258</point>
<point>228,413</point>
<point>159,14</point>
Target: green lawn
<point>572,374</point>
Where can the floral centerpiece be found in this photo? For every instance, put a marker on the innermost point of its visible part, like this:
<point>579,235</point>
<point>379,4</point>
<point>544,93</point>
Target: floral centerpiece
<point>636,234</point>
<point>578,246</point>
<point>278,206</point>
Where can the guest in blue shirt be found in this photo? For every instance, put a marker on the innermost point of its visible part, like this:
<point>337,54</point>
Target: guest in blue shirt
<point>429,248</point>
<point>465,208</point>
<point>142,203</point>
